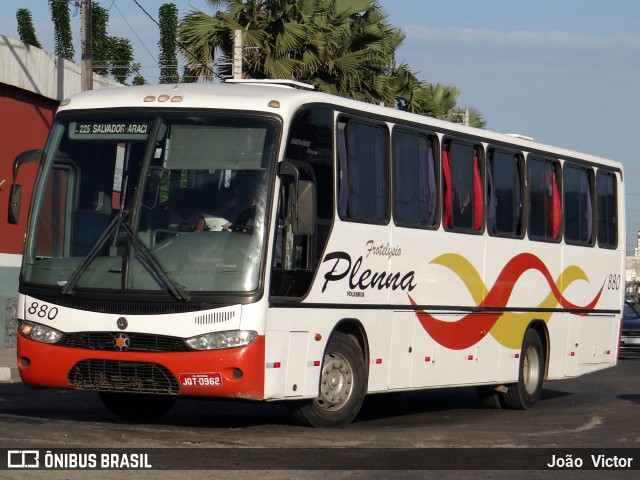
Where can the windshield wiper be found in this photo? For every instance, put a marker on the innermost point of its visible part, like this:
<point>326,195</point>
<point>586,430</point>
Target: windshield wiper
<point>114,226</point>
<point>177,290</point>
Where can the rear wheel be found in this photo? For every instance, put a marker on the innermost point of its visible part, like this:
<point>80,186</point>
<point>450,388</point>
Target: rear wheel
<point>136,406</point>
<point>526,392</point>
<point>342,386</point>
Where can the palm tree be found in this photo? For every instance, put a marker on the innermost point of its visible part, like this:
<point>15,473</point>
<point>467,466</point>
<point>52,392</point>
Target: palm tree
<point>350,50</point>
<point>413,95</point>
<point>447,98</point>
<point>346,48</point>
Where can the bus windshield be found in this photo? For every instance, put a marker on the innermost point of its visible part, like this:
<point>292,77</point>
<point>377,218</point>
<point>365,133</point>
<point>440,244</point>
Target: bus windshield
<point>173,204</point>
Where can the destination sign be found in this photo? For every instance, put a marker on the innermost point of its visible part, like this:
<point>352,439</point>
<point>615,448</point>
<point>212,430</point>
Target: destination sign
<point>127,130</point>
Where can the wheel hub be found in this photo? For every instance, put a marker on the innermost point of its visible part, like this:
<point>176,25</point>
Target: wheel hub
<point>336,382</point>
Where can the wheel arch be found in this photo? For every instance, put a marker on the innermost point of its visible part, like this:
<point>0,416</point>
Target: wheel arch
<point>540,327</point>
<point>354,328</point>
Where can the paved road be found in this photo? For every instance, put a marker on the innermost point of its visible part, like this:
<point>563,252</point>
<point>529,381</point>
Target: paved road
<point>596,411</point>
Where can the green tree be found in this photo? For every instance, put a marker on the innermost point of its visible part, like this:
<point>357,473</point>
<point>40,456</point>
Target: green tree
<point>26,31</point>
<point>62,29</point>
<point>168,16</point>
<point>447,98</point>
<point>349,50</point>
<point>112,56</point>
<point>413,95</point>
<point>121,61</point>
<point>343,47</point>
<point>100,41</point>
<point>138,79</point>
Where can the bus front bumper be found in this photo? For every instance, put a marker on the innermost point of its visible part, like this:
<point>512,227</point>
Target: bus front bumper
<point>228,373</point>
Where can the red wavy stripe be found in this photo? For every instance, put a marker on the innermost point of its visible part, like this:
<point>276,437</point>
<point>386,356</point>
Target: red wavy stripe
<point>470,329</point>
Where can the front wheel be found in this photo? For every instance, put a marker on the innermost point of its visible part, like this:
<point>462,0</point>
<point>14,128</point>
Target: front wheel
<point>526,392</point>
<point>342,386</point>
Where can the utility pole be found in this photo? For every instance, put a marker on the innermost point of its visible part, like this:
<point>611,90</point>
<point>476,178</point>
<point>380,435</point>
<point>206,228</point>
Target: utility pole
<point>86,72</point>
<point>237,54</point>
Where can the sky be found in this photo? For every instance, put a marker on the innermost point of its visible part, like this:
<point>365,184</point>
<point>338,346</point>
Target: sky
<point>565,72</point>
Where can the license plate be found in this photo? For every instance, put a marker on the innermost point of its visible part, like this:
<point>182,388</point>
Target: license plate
<point>631,341</point>
<point>201,379</point>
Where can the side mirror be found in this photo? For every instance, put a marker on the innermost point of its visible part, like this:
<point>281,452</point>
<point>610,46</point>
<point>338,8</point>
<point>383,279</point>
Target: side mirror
<point>15,197</point>
<point>304,208</point>
<point>15,193</point>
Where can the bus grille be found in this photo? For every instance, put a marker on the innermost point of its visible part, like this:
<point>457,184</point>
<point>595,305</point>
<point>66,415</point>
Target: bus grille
<point>120,376</point>
<point>138,342</point>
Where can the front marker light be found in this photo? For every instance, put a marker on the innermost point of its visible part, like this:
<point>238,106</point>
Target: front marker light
<point>38,332</point>
<point>220,340</point>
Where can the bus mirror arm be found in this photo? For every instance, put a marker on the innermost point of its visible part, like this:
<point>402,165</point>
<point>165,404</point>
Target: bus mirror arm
<point>15,193</point>
<point>288,169</point>
<point>304,208</point>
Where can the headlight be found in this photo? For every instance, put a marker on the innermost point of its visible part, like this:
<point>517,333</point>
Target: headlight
<point>218,340</point>
<point>38,332</point>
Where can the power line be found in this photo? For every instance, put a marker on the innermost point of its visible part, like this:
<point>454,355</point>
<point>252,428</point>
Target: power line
<point>177,43</point>
<point>147,13</point>
<point>113,4</point>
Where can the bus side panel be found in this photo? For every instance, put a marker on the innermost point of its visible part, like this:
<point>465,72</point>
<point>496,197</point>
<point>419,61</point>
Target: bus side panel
<point>276,349</point>
<point>403,350</point>
<point>451,345</point>
<point>294,354</point>
<point>592,279</point>
<point>287,367</point>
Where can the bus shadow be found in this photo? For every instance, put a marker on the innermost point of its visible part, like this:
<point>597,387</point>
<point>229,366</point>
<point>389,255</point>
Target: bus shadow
<point>630,398</point>
<point>390,405</point>
<point>52,404</point>
<point>43,405</point>
<point>551,394</point>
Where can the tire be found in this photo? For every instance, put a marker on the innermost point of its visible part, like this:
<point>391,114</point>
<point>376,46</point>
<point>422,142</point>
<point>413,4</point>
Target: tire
<point>489,397</point>
<point>136,406</point>
<point>343,384</point>
<point>526,392</point>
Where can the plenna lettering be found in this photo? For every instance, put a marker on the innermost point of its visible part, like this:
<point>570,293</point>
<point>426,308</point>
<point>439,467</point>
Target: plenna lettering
<point>367,279</point>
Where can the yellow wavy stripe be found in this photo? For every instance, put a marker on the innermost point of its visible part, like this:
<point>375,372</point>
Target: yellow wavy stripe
<point>510,327</point>
<point>467,273</point>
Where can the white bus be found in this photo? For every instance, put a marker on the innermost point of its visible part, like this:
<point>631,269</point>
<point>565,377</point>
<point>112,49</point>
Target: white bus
<point>262,242</point>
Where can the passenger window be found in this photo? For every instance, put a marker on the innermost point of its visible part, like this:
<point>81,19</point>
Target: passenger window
<point>463,194</point>
<point>363,184</point>
<point>504,192</point>
<point>607,209</point>
<point>545,206</point>
<point>414,180</point>
<point>578,211</point>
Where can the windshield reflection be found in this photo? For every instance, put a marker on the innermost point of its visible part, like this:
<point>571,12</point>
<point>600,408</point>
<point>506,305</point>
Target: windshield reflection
<point>176,205</point>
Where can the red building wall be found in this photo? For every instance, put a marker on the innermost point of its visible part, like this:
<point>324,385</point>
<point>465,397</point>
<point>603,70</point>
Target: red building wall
<point>25,119</point>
